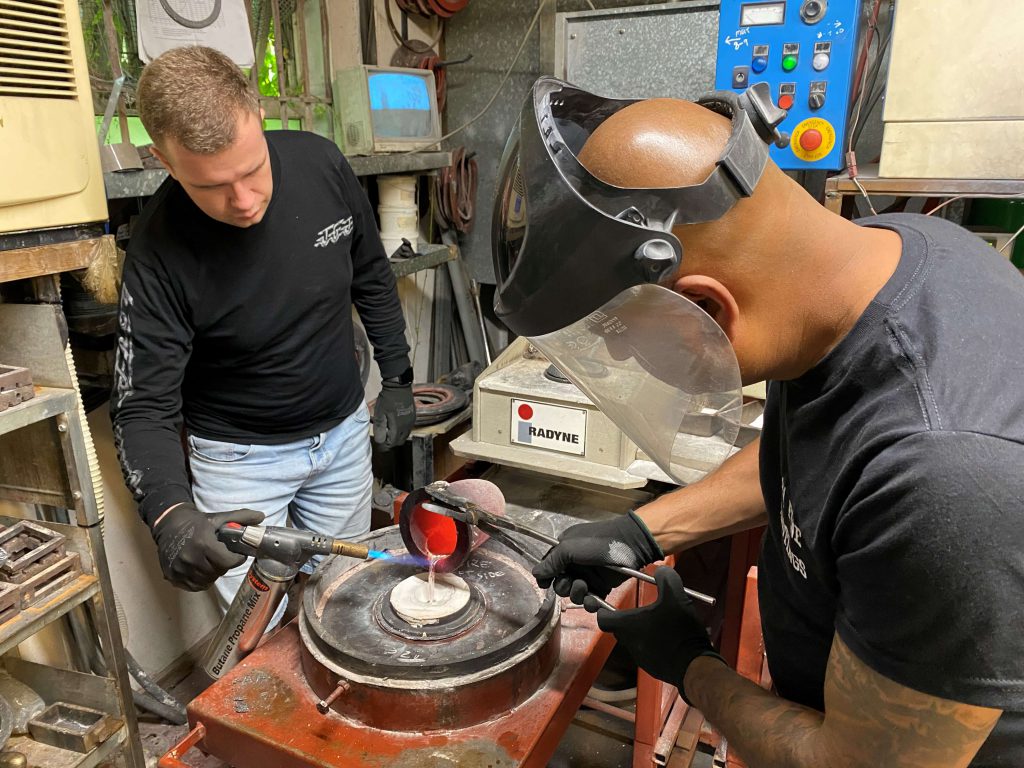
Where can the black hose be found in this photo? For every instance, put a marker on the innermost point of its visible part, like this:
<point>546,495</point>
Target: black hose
<point>160,701</point>
<point>155,691</point>
<point>144,701</point>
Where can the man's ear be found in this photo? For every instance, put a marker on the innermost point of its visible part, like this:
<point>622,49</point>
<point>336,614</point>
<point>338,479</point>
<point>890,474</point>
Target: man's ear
<point>714,298</point>
<point>159,155</point>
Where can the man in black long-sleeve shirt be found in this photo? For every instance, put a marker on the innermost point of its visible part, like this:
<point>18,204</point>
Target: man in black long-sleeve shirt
<point>236,317</point>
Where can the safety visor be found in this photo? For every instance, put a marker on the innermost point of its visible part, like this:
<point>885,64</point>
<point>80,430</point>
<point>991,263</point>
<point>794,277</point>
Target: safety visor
<point>663,370</point>
<point>565,243</point>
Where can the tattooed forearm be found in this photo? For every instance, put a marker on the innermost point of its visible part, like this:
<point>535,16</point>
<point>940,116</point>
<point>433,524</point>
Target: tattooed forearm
<point>870,720</point>
<point>763,729</point>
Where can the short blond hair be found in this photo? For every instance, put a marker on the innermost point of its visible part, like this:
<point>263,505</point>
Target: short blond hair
<point>194,95</point>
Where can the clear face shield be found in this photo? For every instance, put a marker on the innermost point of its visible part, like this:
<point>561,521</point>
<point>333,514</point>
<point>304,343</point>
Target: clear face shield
<point>582,266</point>
<point>659,367</point>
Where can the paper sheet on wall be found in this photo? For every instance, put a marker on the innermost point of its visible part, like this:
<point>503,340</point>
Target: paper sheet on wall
<point>228,32</point>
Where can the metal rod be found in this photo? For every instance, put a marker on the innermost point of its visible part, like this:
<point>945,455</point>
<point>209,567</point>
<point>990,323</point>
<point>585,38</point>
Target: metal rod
<point>300,10</point>
<point>464,302</point>
<point>475,286</point>
<point>173,757</point>
<point>114,56</point>
<point>254,71</point>
<point>477,515</point>
<point>326,43</point>
<point>608,709</point>
<point>324,705</point>
<point>504,522</point>
<point>282,82</point>
<point>670,732</point>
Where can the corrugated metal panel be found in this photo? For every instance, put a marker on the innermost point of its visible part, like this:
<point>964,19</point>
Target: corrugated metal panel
<point>35,51</point>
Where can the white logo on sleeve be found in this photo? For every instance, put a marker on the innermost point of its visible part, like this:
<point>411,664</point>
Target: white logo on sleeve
<point>332,234</point>
<point>791,533</point>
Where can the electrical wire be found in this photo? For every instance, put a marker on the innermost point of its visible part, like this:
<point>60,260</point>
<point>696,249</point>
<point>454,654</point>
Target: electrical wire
<point>406,43</point>
<point>869,80</point>
<point>864,192</point>
<point>863,59</point>
<point>504,79</point>
<point>865,81</point>
<point>952,200</point>
<point>192,23</point>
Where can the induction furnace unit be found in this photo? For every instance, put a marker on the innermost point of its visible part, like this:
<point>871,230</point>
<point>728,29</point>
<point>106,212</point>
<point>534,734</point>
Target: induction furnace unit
<point>805,49</point>
<point>527,415</point>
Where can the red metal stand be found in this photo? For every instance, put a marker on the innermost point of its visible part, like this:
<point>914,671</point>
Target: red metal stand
<point>263,713</point>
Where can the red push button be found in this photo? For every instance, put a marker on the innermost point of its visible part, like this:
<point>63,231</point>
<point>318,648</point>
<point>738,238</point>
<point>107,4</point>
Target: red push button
<point>786,101</point>
<point>810,140</point>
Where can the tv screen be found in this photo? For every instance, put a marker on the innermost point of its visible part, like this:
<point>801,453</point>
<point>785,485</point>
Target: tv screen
<point>400,105</point>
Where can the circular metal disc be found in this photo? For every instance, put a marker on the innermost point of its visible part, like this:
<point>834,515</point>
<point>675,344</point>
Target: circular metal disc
<point>340,601</point>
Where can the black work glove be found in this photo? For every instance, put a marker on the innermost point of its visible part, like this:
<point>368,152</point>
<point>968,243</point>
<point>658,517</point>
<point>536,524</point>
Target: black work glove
<point>664,637</point>
<point>191,557</point>
<point>574,564</point>
<point>394,413</point>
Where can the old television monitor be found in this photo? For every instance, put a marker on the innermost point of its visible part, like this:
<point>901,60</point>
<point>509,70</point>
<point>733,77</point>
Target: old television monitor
<point>385,109</point>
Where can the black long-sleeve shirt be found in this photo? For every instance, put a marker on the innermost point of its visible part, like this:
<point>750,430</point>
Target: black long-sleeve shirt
<point>247,333</point>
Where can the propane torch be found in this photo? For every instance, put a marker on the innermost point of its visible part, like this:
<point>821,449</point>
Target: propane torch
<point>278,554</point>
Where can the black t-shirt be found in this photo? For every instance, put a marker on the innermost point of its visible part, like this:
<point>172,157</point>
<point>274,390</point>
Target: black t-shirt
<point>893,474</point>
<point>248,332</point>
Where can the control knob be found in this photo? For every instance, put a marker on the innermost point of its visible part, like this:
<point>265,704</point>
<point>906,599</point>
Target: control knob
<point>812,11</point>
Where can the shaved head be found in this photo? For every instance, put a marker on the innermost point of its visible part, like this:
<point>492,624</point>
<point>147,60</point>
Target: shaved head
<point>657,143</point>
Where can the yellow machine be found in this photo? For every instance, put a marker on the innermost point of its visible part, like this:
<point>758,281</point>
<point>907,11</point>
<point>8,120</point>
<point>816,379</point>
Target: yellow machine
<point>50,173</point>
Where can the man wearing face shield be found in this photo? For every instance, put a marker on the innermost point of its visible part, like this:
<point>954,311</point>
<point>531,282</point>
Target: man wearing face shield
<point>652,246</point>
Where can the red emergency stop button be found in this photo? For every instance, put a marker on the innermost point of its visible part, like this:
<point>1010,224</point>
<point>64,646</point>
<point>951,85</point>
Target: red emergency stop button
<point>786,101</point>
<point>810,140</point>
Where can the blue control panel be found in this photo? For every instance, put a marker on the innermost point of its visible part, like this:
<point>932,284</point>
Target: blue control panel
<point>804,49</point>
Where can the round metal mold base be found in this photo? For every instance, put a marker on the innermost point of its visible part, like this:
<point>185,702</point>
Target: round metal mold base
<point>400,683</point>
<point>451,626</point>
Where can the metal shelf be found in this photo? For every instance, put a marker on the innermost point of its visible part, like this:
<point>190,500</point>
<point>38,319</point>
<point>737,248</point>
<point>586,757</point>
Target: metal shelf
<point>44,460</point>
<point>123,184</point>
<point>838,187</point>
<point>48,402</point>
<point>429,256</point>
<point>400,162</point>
<point>55,757</point>
<point>33,618</point>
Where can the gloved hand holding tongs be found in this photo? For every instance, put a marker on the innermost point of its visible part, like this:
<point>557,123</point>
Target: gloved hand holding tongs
<point>600,556</point>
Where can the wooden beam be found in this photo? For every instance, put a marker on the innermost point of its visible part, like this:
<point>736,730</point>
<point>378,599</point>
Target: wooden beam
<point>22,263</point>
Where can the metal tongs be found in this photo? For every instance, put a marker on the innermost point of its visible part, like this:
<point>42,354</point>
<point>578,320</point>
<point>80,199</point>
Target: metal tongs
<point>451,504</point>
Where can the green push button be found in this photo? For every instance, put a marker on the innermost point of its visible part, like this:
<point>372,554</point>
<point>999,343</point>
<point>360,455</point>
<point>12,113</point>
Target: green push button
<point>789,63</point>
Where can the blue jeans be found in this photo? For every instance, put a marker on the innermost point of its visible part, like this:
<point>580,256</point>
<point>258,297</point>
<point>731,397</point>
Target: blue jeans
<point>325,482</point>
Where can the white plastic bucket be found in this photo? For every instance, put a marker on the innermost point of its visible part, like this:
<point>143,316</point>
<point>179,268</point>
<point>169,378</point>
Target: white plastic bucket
<point>399,222</point>
<point>397,191</point>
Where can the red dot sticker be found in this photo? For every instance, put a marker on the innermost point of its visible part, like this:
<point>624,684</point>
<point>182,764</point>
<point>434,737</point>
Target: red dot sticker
<point>525,412</point>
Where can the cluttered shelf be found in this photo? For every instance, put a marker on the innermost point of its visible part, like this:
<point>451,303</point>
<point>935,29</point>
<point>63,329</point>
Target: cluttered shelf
<point>136,183</point>
<point>55,757</point>
<point>47,403</point>
<point>29,620</point>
